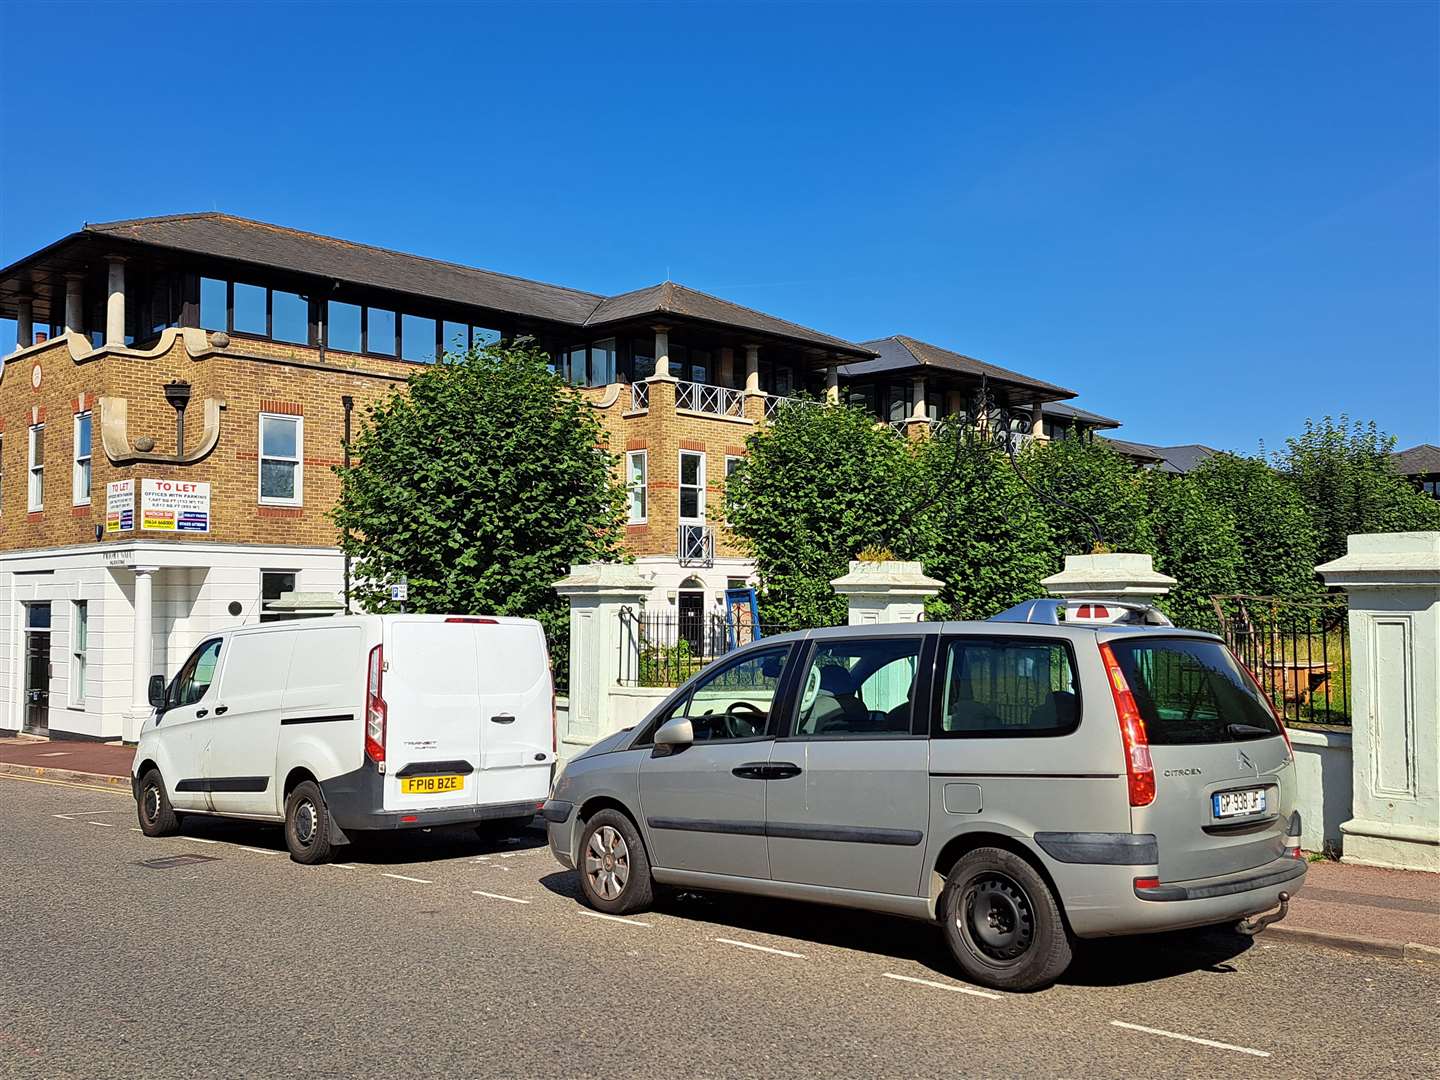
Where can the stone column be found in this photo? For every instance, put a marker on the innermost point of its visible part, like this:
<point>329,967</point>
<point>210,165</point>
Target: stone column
<point>142,662</point>
<point>1037,423</point>
<point>115,302</point>
<point>75,303</point>
<point>726,374</point>
<point>832,385</point>
<point>25,322</point>
<point>599,646</point>
<point>1394,584</point>
<point>662,353</point>
<point>752,369</point>
<point>917,406</point>
<point>886,592</point>
<point>1088,580</point>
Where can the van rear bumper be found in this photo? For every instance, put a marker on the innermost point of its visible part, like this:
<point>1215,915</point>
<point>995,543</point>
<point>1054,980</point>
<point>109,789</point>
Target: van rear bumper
<point>356,800</point>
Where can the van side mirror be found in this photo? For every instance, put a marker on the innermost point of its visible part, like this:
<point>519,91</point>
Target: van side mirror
<point>157,691</point>
<point>674,734</point>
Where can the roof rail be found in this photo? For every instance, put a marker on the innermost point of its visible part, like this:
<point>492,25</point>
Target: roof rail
<point>1047,610</point>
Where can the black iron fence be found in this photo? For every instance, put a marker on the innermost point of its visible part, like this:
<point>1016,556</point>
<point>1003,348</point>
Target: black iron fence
<point>1297,648</point>
<point>664,648</point>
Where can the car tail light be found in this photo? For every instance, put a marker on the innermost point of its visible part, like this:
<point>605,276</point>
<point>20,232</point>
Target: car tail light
<point>1139,769</point>
<point>375,708</point>
<point>1147,883</point>
<point>1269,704</point>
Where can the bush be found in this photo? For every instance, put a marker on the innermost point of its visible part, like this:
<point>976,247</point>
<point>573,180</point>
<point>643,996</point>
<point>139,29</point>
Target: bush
<point>1090,476</point>
<point>1278,546</point>
<point>1195,543</point>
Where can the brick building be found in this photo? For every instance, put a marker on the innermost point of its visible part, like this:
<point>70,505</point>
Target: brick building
<point>180,389</point>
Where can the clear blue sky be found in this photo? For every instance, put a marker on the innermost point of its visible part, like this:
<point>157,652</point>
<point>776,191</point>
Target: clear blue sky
<point>1212,220</point>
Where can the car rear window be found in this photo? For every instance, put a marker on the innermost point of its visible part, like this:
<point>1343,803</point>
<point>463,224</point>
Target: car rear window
<point>1191,691</point>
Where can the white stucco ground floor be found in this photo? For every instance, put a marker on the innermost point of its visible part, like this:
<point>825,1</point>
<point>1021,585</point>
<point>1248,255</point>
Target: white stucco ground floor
<point>70,619</point>
<point>676,588</point>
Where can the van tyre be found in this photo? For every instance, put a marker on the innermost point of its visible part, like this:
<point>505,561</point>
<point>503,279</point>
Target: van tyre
<point>307,824</point>
<point>614,870</point>
<point>157,816</point>
<point>1003,923</point>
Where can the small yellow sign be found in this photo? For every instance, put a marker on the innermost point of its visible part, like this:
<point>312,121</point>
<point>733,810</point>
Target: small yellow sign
<point>430,785</point>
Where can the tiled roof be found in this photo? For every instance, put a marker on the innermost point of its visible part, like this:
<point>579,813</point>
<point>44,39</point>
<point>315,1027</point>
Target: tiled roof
<point>1070,412</point>
<point>899,352</point>
<point>1173,459</point>
<point>1418,460</point>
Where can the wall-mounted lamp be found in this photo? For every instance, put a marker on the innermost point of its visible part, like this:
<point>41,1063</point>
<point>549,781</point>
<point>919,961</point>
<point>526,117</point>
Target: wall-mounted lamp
<point>177,393</point>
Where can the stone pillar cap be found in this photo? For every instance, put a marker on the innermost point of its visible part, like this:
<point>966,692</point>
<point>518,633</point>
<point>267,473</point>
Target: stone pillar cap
<point>615,579</point>
<point>1410,558</point>
<point>1116,574</point>
<point>889,578</point>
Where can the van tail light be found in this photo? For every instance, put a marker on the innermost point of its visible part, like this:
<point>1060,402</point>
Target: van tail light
<point>375,708</point>
<point>470,619</point>
<point>1139,769</point>
<point>1269,703</point>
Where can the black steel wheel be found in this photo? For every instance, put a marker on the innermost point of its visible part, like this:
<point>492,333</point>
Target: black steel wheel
<point>157,816</point>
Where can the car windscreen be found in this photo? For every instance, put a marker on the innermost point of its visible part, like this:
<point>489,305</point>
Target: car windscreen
<point>1191,691</point>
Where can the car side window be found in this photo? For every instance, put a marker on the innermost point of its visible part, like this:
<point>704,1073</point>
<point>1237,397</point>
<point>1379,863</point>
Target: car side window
<point>196,675</point>
<point>1007,687</point>
<point>734,701</point>
<point>859,687</point>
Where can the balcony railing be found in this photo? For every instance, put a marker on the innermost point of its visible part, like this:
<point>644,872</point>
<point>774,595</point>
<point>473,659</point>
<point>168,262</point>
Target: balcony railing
<point>714,400</point>
<point>775,402</point>
<point>696,545</point>
<point>639,397</point>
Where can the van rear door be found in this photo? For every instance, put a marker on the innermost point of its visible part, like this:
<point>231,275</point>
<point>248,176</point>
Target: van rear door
<point>517,750</point>
<point>1224,788</point>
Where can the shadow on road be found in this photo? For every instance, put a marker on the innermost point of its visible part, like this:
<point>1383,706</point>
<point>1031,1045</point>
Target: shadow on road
<point>377,849</point>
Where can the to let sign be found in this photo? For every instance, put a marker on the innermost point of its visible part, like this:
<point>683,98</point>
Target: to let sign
<point>120,506</point>
<point>180,506</point>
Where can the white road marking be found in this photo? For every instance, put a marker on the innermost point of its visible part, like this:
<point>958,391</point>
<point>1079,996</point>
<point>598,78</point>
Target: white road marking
<point>344,866</point>
<point>758,948</point>
<point>942,986</point>
<point>259,850</point>
<point>612,918</point>
<point>1190,1039</point>
<point>55,753</point>
<point>202,840</point>
<point>102,824</point>
<point>416,880</point>
<point>117,790</point>
<point>88,813</point>
<point>497,896</point>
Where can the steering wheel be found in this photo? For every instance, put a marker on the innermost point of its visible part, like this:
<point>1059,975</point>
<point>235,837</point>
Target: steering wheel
<point>733,722</point>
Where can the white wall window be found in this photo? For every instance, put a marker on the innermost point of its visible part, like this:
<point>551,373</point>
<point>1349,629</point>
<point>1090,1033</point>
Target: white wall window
<point>79,650</point>
<point>80,480</point>
<point>692,486</point>
<point>282,443</point>
<point>37,467</point>
<point>637,483</point>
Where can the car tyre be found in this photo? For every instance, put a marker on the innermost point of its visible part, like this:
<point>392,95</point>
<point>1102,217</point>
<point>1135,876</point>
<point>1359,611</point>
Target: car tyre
<point>157,816</point>
<point>307,824</point>
<point>1003,923</point>
<point>614,869</point>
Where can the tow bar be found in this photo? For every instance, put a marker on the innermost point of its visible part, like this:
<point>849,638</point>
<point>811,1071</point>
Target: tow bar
<point>1250,925</point>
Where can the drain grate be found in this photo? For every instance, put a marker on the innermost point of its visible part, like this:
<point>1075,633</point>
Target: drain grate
<point>170,862</point>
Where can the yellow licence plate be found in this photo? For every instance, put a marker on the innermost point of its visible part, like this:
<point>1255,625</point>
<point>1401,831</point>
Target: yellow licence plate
<point>430,785</point>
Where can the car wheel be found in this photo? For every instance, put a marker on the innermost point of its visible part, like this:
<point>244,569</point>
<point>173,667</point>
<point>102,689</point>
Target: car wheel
<point>157,816</point>
<point>614,870</point>
<point>1003,923</point>
<point>307,824</point>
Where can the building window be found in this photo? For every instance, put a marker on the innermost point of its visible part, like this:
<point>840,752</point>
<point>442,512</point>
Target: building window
<point>637,469</point>
<point>214,304</point>
<point>454,337</point>
<point>417,339</point>
<point>483,335</point>
<point>281,446</point>
<point>289,318</point>
<point>273,585</point>
<point>692,486</point>
<point>642,359</point>
<point>602,362</point>
<point>37,467</point>
<point>81,478</point>
<point>79,650</point>
<point>380,331</point>
<point>250,309</point>
<point>342,326</point>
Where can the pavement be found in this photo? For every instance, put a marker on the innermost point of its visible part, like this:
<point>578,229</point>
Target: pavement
<point>435,954</point>
<point>1358,908</point>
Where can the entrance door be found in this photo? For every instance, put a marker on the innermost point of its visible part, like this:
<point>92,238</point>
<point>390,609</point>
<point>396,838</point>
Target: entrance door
<point>37,669</point>
<point>690,607</point>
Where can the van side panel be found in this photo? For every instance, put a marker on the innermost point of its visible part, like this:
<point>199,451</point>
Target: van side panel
<point>241,732</point>
<point>321,713</point>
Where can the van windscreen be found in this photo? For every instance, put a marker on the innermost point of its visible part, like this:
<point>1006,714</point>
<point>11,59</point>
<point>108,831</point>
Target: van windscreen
<point>1191,691</point>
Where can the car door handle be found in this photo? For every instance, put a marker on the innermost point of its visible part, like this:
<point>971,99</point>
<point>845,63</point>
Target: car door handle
<point>783,770</point>
<point>201,712</point>
<point>502,718</point>
<point>752,770</point>
<point>221,710</point>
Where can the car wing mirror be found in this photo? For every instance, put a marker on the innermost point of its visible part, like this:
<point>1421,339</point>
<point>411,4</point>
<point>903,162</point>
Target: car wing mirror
<point>675,734</point>
<point>157,691</point>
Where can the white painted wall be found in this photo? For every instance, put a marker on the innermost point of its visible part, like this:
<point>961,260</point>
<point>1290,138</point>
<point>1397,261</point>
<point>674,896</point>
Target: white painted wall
<point>1323,780</point>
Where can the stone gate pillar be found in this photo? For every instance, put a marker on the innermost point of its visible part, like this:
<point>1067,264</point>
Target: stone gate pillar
<point>597,592</point>
<point>886,592</point>
<point>1394,584</point>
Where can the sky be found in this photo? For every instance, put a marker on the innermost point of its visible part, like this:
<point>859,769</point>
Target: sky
<point>1212,221</point>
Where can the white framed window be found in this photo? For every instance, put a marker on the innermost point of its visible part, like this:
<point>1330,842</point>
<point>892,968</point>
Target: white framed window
<point>282,445</point>
<point>79,650</point>
<point>36,498</point>
<point>637,485</point>
<point>80,478</point>
<point>692,486</point>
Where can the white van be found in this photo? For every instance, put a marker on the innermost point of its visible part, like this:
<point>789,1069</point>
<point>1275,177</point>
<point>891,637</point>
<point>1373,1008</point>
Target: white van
<point>353,723</point>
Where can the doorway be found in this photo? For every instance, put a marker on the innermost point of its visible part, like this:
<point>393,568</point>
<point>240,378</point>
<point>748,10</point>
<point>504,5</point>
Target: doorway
<point>37,669</point>
<point>690,606</point>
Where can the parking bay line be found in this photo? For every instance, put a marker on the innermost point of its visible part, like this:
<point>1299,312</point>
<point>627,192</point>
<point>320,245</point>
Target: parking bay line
<point>498,896</point>
<point>102,824</point>
<point>758,948</point>
<point>941,986</point>
<point>416,880</point>
<point>612,918</point>
<point>1190,1039</point>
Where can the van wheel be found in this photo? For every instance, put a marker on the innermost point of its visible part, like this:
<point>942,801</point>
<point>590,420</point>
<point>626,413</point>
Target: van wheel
<point>307,824</point>
<point>1003,923</point>
<point>614,870</point>
<point>157,816</point>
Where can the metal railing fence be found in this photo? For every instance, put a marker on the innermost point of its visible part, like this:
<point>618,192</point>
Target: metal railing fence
<point>1298,649</point>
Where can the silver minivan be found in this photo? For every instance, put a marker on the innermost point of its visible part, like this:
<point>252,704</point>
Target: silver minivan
<point>1021,784</point>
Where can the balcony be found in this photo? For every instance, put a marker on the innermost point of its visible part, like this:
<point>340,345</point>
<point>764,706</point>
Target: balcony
<point>775,402</point>
<point>711,400</point>
<point>696,545</point>
<point>640,397</point>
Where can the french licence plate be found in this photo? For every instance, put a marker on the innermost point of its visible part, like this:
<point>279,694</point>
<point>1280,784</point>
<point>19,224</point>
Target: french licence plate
<point>1239,803</point>
<point>430,785</point>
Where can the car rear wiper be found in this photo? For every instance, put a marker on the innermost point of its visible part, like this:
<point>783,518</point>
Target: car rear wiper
<point>1246,731</point>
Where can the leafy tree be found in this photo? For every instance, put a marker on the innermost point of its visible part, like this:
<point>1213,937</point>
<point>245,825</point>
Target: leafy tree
<point>1090,476</point>
<point>815,487</point>
<point>481,483</point>
<point>1278,544</point>
<point>984,534</point>
<point>1195,543</point>
<point>1344,474</point>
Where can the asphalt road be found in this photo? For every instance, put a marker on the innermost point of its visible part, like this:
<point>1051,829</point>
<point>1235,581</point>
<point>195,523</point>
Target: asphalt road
<point>444,956</point>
